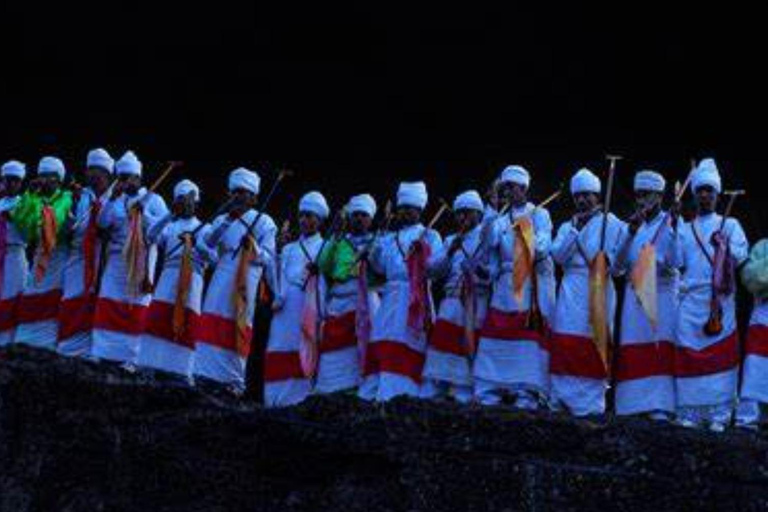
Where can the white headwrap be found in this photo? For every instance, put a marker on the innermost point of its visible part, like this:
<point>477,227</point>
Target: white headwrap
<point>100,158</point>
<point>412,194</point>
<point>515,174</point>
<point>650,180</point>
<point>128,164</point>
<point>184,187</point>
<point>706,174</point>
<point>51,165</point>
<point>14,168</point>
<point>314,202</point>
<point>469,200</point>
<point>585,181</point>
<point>362,203</point>
<point>245,179</point>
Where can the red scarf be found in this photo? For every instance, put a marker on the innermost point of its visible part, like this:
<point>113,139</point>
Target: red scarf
<point>89,247</point>
<point>418,298</point>
<point>310,327</point>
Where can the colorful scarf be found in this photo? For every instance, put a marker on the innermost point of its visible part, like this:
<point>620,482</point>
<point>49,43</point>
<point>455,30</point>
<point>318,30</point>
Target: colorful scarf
<point>310,327</point>
<point>418,298</point>
<point>135,253</point>
<point>47,242</point>
<point>183,288</point>
<point>240,292</point>
<point>89,247</point>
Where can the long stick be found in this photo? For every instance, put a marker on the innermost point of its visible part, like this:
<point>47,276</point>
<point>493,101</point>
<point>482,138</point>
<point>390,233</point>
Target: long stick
<point>160,179</point>
<point>608,193</point>
<point>262,208</point>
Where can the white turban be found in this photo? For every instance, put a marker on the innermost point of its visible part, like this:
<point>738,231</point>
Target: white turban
<point>650,180</point>
<point>706,174</point>
<point>314,202</point>
<point>469,200</point>
<point>362,203</point>
<point>100,158</point>
<point>585,181</point>
<point>15,169</point>
<point>185,187</point>
<point>245,179</point>
<point>412,194</point>
<point>515,174</point>
<point>128,164</point>
<point>51,165</point>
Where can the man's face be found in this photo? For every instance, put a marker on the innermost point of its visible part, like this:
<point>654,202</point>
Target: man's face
<point>466,219</point>
<point>513,193</point>
<point>49,183</point>
<point>309,223</point>
<point>408,215</point>
<point>12,185</point>
<point>243,197</point>
<point>98,179</point>
<point>647,200</point>
<point>185,206</point>
<point>585,201</point>
<point>706,199</point>
<point>131,183</point>
<point>359,223</point>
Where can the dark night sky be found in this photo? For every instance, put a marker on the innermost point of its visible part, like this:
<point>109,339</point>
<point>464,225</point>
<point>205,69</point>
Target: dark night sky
<point>358,95</point>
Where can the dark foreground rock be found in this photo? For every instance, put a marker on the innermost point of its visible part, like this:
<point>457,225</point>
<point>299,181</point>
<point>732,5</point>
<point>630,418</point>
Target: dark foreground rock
<point>77,436</point>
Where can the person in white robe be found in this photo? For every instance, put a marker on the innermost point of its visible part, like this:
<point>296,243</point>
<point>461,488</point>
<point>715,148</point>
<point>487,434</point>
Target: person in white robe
<point>13,257</point>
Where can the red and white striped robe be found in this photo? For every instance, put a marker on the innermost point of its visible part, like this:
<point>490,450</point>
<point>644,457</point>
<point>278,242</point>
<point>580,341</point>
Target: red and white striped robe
<point>216,353</point>
<point>645,361</point>
<point>14,273</point>
<point>577,372</point>
<point>119,317</point>
<point>284,380</point>
<point>395,355</point>
<point>160,348</point>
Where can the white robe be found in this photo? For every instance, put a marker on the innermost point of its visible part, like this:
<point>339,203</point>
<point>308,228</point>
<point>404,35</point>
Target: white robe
<point>14,273</point>
<point>216,352</point>
<point>340,367</point>
<point>159,347</point>
<point>77,305</point>
<point>645,361</point>
<point>510,356</point>
<point>706,367</point>
<point>448,364</point>
<point>754,379</point>
<point>395,355</point>
<point>578,374</point>
<point>119,317</point>
<point>284,381</point>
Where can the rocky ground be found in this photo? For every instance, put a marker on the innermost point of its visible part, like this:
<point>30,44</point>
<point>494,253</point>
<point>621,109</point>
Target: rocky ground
<point>77,436</point>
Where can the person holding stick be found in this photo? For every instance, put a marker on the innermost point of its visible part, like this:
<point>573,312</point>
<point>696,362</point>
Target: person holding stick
<point>168,341</point>
<point>223,341</point>
<point>124,295</point>
<point>579,363</point>
<point>462,263</point>
<point>80,275</point>
<point>395,356</point>
<point>13,255</point>
<point>290,364</point>
<point>709,249</point>
<point>512,356</point>
<point>352,300</point>
<point>645,361</point>
<point>40,216</point>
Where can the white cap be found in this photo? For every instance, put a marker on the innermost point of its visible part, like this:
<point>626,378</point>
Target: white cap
<point>515,174</point>
<point>51,165</point>
<point>412,194</point>
<point>14,168</point>
<point>362,203</point>
<point>469,200</point>
<point>185,187</point>
<point>100,158</point>
<point>128,164</point>
<point>314,202</point>
<point>706,174</point>
<point>245,179</point>
<point>650,180</point>
<point>585,181</point>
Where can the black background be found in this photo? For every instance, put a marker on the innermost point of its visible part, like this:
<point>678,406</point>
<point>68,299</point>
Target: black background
<point>356,96</point>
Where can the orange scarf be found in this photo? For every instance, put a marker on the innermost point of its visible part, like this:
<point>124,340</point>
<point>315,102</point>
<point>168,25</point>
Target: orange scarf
<point>47,243</point>
<point>523,255</point>
<point>183,287</point>
<point>598,305</point>
<point>240,293</point>
<point>135,253</point>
